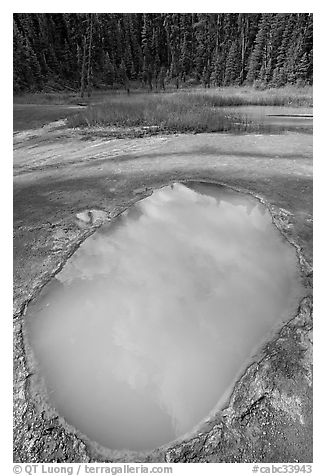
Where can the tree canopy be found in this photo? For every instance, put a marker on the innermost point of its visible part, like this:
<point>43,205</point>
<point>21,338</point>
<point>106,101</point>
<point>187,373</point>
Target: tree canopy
<point>54,51</point>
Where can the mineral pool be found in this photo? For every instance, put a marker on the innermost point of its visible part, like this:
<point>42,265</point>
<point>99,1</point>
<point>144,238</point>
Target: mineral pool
<point>143,333</point>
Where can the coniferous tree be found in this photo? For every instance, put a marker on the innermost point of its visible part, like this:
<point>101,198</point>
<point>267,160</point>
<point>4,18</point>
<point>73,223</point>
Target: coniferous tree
<point>201,40</point>
<point>147,56</point>
<point>217,69</point>
<point>172,26</point>
<point>303,69</point>
<point>233,65</point>
<point>123,76</point>
<point>186,47</point>
<point>109,73</point>
<point>161,77</point>
<point>258,57</point>
<point>135,43</point>
<point>77,50</point>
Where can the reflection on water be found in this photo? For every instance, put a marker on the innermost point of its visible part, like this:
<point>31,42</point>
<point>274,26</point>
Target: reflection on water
<point>151,320</point>
<point>273,119</point>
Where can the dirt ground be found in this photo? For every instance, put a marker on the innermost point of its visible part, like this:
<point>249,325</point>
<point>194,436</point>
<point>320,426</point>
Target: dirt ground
<point>59,173</point>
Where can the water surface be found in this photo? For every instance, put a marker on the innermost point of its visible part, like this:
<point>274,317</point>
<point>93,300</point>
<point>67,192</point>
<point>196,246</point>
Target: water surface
<point>274,119</point>
<point>144,331</point>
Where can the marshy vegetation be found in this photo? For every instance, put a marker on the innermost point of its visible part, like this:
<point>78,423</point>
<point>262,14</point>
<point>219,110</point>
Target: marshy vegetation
<point>188,111</point>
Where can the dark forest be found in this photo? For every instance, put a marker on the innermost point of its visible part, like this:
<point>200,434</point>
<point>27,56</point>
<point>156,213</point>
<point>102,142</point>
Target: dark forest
<point>54,52</point>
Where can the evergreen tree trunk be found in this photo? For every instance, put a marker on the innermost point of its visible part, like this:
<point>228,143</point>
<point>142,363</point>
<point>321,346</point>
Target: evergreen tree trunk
<point>89,63</point>
<point>82,80</point>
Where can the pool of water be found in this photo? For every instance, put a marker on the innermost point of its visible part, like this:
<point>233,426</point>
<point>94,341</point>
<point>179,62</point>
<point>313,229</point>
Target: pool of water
<point>146,328</point>
<point>274,119</point>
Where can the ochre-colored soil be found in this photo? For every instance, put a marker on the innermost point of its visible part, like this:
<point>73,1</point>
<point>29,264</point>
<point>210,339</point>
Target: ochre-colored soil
<point>59,173</point>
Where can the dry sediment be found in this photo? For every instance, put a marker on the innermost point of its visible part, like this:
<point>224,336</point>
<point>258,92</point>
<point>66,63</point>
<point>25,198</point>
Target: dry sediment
<point>269,415</point>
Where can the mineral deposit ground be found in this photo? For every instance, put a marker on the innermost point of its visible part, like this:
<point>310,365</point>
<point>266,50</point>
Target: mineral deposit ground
<point>66,184</point>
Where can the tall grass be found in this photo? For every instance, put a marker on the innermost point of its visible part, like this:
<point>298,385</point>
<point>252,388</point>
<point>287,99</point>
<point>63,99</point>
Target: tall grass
<point>164,113</point>
<point>245,96</point>
<point>222,97</point>
<point>197,111</point>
